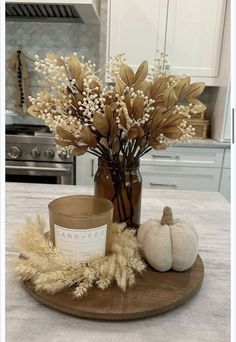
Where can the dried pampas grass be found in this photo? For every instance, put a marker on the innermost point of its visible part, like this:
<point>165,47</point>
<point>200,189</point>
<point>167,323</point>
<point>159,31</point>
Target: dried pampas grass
<point>51,271</point>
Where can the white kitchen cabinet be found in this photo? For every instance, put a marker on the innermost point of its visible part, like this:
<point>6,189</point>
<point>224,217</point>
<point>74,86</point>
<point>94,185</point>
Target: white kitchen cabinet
<point>181,178</point>
<point>86,167</point>
<point>189,31</point>
<point>225,181</point>
<point>226,160</point>
<point>184,168</point>
<point>136,28</point>
<point>185,156</point>
<point>194,37</point>
<point>221,115</point>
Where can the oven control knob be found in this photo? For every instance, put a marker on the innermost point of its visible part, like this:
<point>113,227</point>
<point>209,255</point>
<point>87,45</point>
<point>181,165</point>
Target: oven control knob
<point>63,155</point>
<point>49,153</point>
<point>14,152</point>
<point>35,152</point>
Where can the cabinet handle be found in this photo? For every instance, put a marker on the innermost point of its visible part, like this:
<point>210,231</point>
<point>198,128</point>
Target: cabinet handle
<point>36,168</point>
<point>167,157</point>
<point>157,184</point>
<point>92,168</point>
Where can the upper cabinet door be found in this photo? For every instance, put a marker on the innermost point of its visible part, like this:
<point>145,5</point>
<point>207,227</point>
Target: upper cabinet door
<point>136,28</point>
<point>194,37</point>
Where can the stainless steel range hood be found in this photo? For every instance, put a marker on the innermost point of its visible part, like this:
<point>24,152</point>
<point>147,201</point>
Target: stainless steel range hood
<point>83,11</point>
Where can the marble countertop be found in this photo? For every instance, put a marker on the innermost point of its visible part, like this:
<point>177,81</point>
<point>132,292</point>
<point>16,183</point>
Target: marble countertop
<point>205,318</point>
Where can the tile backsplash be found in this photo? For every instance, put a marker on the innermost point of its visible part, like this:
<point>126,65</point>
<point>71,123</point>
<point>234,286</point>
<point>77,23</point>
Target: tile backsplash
<point>40,38</point>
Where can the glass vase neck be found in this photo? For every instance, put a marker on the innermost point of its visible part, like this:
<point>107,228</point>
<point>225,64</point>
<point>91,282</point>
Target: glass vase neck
<point>117,164</point>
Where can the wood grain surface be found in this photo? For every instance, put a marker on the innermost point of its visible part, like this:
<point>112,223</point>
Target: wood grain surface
<point>152,294</point>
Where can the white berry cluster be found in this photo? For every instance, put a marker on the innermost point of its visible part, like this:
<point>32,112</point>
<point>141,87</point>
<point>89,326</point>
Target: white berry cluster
<point>113,66</point>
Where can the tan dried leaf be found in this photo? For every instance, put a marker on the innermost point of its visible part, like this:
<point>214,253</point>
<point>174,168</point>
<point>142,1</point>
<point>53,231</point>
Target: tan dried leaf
<point>156,121</point>
<point>34,110</point>
<point>64,134</point>
<point>76,98</point>
<point>109,114</point>
<point>158,87</point>
<point>74,67</point>
<point>79,150</point>
<point>101,124</point>
<point>123,119</point>
<point>199,107</point>
<point>120,86</point>
<point>159,101</point>
<point>157,146</point>
<point>133,132</point>
<point>113,105</point>
<point>126,74</point>
<point>63,143</point>
<point>95,87</point>
<point>104,143</point>
<point>110,98</point>
<point>158,111</point>
<point>141,86</point>
<point>172,132</point>
<point>196,89</point>
<point>141,72</point>
<point>140,132</point>
<point>168,112</point>
<point>138,108</point>
<point>88,137</point>
<point>182,87</point>
<point>53,57</point>
<point>115,146</point>
<point>113,132</point>
<point>169,97</point>
<point>173,120</point>
<point>79,81</point>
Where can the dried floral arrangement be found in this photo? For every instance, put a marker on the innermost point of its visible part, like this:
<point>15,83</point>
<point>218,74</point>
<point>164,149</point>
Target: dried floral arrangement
<point>117,123</point>
<point>121,122</point>
<point>51,271</point>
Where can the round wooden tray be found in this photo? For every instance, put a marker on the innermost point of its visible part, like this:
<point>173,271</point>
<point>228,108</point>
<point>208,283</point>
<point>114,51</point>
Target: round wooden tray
<point>152,294</point>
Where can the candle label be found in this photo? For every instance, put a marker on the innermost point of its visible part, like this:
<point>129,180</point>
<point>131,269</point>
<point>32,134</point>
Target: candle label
<point>81,244</point>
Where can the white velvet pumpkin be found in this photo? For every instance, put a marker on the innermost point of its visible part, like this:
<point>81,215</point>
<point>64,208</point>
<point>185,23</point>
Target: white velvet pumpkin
<point>168,243</point>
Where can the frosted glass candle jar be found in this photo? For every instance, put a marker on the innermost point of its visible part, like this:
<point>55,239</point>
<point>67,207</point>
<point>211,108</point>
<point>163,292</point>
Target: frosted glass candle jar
<point>80,226</point>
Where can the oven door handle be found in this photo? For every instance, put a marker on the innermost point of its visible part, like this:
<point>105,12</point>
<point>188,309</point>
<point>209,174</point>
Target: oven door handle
<point>35,168</point>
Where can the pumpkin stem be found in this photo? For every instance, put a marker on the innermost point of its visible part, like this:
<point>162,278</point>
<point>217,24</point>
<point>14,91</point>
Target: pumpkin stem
<point>167,216</point>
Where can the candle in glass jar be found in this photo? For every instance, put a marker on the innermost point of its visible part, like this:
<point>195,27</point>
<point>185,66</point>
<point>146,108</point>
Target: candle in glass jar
<point>80,226</point>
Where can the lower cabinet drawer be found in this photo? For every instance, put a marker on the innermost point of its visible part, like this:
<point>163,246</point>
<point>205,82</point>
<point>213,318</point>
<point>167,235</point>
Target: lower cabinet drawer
<point>225,184</point>
<point>226,162</point>
<point>185,156</point>
<point>180,178</point>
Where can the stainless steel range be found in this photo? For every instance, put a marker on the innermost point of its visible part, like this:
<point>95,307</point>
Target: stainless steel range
<point>32,157</point>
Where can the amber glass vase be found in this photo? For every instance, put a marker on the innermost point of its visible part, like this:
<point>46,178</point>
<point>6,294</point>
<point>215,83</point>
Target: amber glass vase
<point>121,183</point>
